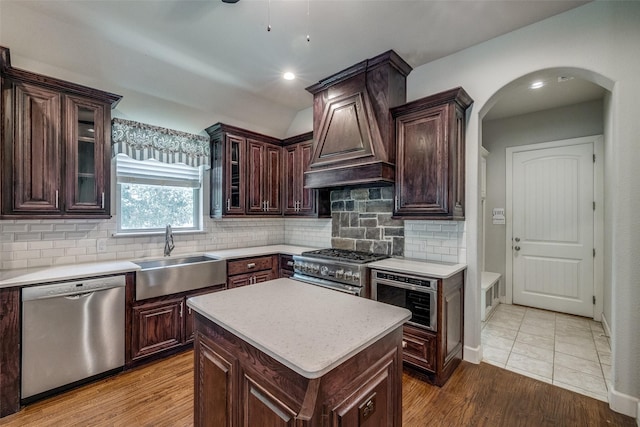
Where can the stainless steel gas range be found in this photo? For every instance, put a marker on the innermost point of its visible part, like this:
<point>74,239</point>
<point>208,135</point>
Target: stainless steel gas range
<point>337,269</point>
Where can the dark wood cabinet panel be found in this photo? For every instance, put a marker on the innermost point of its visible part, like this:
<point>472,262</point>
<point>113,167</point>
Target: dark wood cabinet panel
<point>246,172</point>
<point>299,201</point>
<point>9,351</point>
<point>440,353</point>
<point>261,408</point>
<point>419,348</point>
<point>430,156</point>
<point>363,391</point>
<point>35,154</point>
<point>216,385</point>
<point>157,326</point>
<point>55,146</point>
<point>248,271</point>
<point>263,176</point>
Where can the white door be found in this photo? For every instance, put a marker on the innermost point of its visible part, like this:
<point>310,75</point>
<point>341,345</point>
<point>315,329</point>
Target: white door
<point>553,234</point>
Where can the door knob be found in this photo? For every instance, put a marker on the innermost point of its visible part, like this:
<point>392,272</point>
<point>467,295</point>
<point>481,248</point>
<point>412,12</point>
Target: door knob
<point>517,239</point>
<point>517,248</point>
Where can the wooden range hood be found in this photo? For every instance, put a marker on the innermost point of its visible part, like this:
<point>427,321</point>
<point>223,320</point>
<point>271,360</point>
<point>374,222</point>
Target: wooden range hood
<point>355,132</point>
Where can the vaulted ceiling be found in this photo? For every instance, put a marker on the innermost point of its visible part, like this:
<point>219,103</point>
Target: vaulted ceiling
<point>218,58</point>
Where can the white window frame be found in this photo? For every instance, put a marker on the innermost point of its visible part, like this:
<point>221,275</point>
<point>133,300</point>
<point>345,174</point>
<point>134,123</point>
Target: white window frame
<point>154,172</point>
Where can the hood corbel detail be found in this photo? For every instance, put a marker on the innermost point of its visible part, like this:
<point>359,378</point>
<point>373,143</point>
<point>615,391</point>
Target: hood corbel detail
<point>355,134</point>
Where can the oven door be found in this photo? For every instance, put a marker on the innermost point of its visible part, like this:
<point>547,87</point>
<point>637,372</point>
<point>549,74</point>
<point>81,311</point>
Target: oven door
<point>420,301</point>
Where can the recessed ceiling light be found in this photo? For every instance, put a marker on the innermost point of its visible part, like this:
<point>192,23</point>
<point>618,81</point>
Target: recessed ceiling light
<point>289,75</point>
<point>536,85</point>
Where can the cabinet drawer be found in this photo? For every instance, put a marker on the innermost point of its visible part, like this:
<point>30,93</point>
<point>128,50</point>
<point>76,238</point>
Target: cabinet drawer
<point>419,348</point>
<point>249,265</point>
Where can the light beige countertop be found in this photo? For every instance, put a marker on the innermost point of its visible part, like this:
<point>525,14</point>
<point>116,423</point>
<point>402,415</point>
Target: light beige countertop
<point>439,270</point>
<point>305,327</point>
<point>31,276</point>
<point>259,251</point>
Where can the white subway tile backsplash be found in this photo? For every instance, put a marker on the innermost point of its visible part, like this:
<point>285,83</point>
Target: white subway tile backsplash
<point>26,237</point>
<point>43,244</point>
<point>15,228</point>
<point>70,241</point>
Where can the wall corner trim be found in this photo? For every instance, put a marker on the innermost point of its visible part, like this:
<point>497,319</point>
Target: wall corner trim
<point>473,354</point>
<point>624,404</point>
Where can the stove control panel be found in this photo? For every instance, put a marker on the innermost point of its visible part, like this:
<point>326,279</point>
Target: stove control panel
<point>343,274</point>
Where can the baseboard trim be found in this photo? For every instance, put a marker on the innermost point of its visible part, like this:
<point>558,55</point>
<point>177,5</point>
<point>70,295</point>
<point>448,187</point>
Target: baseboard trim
<point>473,354</point>
<point>624,404</point>
<point>605,325</point>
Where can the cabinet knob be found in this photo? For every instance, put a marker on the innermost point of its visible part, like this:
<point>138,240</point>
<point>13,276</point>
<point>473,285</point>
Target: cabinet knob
<point>404,344</point>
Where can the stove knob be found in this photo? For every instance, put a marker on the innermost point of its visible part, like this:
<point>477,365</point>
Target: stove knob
<point>348,275</point>
<point>315,268</point>
<point>339,274</point>
<point>356,277</point>
<point>324,271</point>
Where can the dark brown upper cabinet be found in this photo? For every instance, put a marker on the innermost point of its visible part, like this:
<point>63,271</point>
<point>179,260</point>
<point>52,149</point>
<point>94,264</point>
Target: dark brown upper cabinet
<point>298,201</point>
<point>355,143</point>
<point>246,172</point>
<point>55,146</point>
<point>430,135</point>
<point>264,178</point>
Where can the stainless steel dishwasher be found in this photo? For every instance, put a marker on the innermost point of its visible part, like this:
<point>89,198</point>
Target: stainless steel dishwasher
<point>71,331</point>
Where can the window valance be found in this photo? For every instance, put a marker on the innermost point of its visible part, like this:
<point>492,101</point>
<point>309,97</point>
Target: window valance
<point>141,141</point>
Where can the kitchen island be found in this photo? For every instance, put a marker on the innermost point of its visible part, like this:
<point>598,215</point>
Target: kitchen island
<point>284,353</point>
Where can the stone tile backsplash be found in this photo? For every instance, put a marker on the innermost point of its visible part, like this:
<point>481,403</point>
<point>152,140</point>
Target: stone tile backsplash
<point>361,220</point>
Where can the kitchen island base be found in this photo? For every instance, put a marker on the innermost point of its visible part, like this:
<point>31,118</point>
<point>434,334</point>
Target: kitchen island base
<point>236,384</point>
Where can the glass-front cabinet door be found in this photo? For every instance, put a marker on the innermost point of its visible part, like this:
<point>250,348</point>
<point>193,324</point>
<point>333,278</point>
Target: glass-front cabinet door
<point>234,187</point>
<point>86,155</point>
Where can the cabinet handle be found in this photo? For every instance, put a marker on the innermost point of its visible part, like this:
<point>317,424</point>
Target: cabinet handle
<point>404,344</point>
<point>189,310</point>
<point>181,308</point>
<point>57,199</point>
<point>228,204</point>
<point>103,200</point>
<point>251,265</point>
<point>397,203</point>
<point>267,206</point>
<point>290,263</point>
<point>298,206</point>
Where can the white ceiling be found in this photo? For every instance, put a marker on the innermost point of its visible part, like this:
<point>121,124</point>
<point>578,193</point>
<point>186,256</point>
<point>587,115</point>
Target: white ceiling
<point>218,58</point>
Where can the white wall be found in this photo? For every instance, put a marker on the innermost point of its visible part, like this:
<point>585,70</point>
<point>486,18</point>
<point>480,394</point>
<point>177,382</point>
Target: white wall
<point>598,38</point>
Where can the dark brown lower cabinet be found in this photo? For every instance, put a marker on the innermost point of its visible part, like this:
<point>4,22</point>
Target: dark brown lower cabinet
<point>438,354</point>
<point>162,325</point>
<point>248,271</point>
<point>238,385</point>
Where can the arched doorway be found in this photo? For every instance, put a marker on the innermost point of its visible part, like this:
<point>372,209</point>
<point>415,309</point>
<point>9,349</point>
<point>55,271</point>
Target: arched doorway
<point>553,107</point>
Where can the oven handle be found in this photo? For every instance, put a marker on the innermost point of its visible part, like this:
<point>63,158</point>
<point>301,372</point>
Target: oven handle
<point>421,289</point>
<point>325,284</point>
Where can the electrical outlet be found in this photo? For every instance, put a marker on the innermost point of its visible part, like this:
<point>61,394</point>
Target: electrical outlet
<point>423,245</point>
<point>101,245</point>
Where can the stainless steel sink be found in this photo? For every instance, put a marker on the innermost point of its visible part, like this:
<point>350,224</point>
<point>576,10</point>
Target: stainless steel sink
<point>168,276</point>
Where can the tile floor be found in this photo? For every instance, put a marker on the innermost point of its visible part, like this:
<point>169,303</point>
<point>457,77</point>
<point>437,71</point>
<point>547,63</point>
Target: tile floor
<point>568,351</point>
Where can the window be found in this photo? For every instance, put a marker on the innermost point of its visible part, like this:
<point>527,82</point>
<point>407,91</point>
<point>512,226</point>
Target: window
<point>151,194</point>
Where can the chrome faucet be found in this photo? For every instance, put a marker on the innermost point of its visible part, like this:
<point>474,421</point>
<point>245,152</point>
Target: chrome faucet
<point>168,241</point>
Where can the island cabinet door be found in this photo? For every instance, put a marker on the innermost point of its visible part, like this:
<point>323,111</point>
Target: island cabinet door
<point>372,404</point>
<point>216,385</point>
<point>260,407</point>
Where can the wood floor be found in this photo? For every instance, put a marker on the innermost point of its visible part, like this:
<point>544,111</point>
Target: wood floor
<point>161,394</point>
